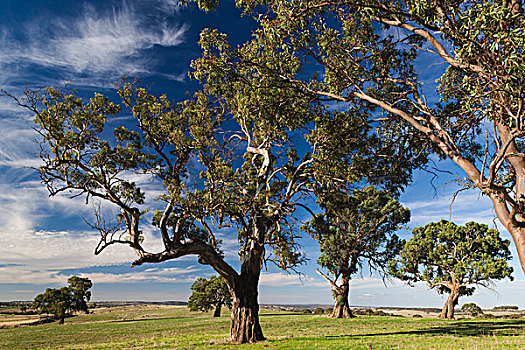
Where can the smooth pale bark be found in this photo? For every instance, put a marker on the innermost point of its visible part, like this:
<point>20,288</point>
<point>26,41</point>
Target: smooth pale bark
<point>510,211</point>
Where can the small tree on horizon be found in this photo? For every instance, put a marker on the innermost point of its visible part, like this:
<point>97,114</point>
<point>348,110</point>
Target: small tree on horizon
<point>208,294</point>
<point>452,259</point>
<point>353,230</point>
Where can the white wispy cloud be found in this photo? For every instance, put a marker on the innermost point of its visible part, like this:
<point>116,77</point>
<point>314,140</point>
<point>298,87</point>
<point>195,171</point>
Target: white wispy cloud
<point>109,44</point>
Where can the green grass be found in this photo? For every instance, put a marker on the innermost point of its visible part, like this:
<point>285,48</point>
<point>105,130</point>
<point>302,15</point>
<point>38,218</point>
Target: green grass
<point>154,327</point>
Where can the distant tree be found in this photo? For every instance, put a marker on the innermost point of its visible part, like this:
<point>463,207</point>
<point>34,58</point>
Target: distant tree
<point>66,299</point>
<point>505,308</point>
<point>319,311</point>
<point>472,309</point>
<point>79,288</point>
<point>54,301</point>
<point>208,294</point>
<point>451,258</point>
<point>355,229</point>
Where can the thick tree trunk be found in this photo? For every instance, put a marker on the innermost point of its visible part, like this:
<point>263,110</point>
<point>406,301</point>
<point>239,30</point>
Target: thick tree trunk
<point>448,309</point>
<point>61,319</point>
<point>245,327</point>
<point>513,220</point>
<point>516,231</point>
<point>450,314</point>
<point>342,305</point>
<point>217,312</point>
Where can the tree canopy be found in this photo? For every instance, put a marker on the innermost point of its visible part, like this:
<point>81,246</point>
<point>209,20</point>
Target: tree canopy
<point>356,229</point>
<point>375,53</point>
<point>210,293</point>
<point>59,302</point>
<point>453,259</point>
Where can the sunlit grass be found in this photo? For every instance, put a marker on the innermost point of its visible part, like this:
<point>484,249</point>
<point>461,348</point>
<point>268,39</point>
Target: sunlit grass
<point>160,327</point>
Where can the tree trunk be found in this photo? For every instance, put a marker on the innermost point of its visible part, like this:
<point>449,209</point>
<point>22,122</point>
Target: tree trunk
<point>512,220</point>
<point>61,318</point>
<point>448,309</point>
<point>342,306</point>
<point>450,314</point>
<point>217,312</point>
<point>245,327</point>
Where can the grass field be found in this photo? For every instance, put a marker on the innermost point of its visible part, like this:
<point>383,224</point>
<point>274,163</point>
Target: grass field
<point>172,327</point>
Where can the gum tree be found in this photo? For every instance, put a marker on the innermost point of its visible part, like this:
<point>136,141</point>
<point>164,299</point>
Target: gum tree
<point>59,302</point>
<point>239,184</point>
<point>239,157</point>
<point>451,259</point>
<point>377,52</point>
<point>356,229</point>
<point>226,159</point>
<point>208,294</point>
<point>79,288</point>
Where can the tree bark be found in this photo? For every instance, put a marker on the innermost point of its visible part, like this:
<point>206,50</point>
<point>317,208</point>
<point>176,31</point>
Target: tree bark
<point>217,312</point>
<point>448,309</point>
<point>342,305</point>
<point>245,327</point>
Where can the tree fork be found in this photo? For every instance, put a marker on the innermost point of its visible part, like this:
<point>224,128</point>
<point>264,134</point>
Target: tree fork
<point>342,305</point>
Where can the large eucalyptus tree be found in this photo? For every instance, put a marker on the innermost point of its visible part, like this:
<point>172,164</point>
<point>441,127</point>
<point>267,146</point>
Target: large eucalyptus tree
<point>378,52</point>
<point>453,259</point>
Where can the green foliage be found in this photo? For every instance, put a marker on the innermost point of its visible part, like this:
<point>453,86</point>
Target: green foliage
<point>357,228</point>
<point>472,309</point>
<point>53,301</point>
<point>368,58</point>
<point>60,301</point>
<point>80,295</point>
<point>319,311</point>
<point>443,254</point>
<point>209,293</point>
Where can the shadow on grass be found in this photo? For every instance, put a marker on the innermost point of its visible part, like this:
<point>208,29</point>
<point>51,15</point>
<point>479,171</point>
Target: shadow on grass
<point>283,314</point>
<point>459,329</point>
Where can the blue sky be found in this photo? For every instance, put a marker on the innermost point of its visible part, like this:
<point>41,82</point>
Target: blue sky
<point>90,45</point>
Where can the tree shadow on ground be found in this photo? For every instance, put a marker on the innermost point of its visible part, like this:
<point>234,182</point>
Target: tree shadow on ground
<point>283,314</point>
<point>459,329</point>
